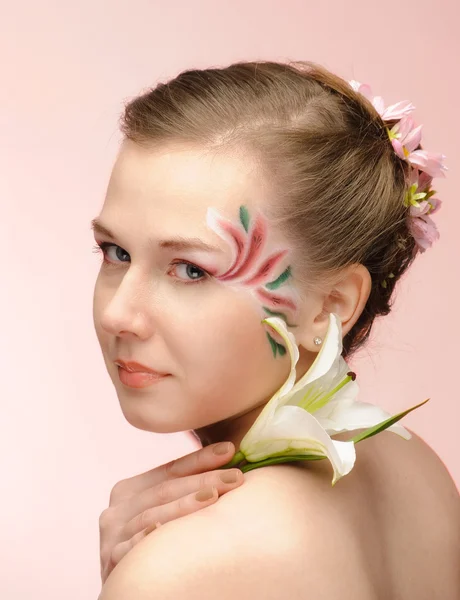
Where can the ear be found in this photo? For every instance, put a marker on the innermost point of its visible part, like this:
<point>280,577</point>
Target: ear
<point>346,297</point>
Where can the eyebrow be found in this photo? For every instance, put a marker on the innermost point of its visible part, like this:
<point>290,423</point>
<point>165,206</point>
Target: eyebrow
<point>177,243</point>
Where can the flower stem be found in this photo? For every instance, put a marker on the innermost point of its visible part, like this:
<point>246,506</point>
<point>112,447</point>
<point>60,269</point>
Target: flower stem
<point>278,460</point>
<point>239,457</point>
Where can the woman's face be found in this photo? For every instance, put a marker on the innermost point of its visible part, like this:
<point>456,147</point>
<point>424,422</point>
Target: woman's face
<point>156,303</point>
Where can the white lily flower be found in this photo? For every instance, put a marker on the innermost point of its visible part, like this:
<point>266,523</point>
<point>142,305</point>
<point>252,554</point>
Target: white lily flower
<point>300,418</point>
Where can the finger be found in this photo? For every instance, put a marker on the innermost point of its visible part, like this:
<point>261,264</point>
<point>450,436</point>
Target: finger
<point>139,511</point>
<point>169,512</point>
<point>203,459</point>
<point>123,548</point>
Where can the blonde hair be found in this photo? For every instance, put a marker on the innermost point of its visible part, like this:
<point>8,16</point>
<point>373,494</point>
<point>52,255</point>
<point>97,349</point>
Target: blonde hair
<point>338,184</point>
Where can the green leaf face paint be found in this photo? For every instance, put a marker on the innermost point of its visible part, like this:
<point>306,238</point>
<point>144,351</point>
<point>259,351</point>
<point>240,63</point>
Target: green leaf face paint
<point>254,269</point>
<point>274,285</point>
<point>244,218</point>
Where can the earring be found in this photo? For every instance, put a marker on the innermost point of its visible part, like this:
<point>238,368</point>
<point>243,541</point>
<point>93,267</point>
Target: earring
<point>317,341</point>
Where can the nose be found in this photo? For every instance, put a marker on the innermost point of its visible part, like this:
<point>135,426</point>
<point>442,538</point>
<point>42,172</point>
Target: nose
<point>129,310</point>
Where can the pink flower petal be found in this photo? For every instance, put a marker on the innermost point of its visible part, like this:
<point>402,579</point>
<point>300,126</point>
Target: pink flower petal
<point>398,110</point>
<point>422,209</point>
<point>398,148</point>
<point>379,105</point>
<point>428,162</point>
<point>354,84</point>
<point>406,125</point>
<point>365,90</point>
<point>413,138</point>
<point>424,231</point>
<point>436,203</point>
<point>424,180</point>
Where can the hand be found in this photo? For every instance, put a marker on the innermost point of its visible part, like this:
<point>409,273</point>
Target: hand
<point>141,503</point>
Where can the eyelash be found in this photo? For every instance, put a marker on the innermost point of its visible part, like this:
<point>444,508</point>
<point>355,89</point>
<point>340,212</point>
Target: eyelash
<point>102,247</point>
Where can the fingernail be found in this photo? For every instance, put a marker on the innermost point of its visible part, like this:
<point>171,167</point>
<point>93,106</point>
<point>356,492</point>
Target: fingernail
<point>151,528</point>
<point>229,477</point>
<point>205,494</point>
<point>222,448</point>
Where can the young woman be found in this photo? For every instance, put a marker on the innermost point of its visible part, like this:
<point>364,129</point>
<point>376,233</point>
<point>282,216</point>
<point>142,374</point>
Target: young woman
<point>263,189</point>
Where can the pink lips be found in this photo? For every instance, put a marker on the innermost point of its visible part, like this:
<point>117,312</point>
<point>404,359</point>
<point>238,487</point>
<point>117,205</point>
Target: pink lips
<point>135,367</point>
<point>135,375</point>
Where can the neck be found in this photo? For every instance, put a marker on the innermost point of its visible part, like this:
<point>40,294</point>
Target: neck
<point>230,430</point>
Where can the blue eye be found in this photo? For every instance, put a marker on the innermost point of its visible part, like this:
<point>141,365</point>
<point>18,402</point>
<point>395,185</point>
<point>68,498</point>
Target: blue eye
<point>104,247</point>
<point>194,273</point>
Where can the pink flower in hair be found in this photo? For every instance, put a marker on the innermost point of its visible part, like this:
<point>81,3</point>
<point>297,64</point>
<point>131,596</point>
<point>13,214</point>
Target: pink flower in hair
<point>431,163</point>
<point>427,207</point>
<point>405,136</point>
<point>423,230</point>
<point>394,111</point>
<point>422,204</point>
<point>418,189</point>
<point>422,179</point>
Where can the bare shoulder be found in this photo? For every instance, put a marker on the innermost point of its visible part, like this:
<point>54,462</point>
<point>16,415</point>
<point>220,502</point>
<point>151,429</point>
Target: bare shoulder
<point>409,466</point>
<point>287,533</point>
<point>255,542</point>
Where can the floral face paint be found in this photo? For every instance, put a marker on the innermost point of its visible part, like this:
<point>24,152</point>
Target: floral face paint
<point>255,266</point>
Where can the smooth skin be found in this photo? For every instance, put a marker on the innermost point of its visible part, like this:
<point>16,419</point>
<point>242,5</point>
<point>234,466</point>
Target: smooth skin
<point>140,504</point>
<point>389,529</point>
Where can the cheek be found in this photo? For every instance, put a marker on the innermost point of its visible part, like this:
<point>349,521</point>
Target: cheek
<point>97,309</point>
<point>225,357</point>
<point>245,367</point>
<point>102,297</point>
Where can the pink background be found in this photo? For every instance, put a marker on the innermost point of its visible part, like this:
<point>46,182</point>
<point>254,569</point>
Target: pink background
<point>66,69</point>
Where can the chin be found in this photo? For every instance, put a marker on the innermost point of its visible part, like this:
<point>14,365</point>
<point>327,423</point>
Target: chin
<point>153,420</point>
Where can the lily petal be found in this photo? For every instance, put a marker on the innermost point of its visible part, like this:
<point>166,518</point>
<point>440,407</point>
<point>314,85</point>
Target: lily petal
<point>269,409</point>
<point>318,392</point>
<point>343,413</point>
<point>330,351</point>
<point>295,431</point>
<point>300,418</point>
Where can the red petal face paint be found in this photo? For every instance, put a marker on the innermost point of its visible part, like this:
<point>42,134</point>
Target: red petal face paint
<point>257,238</point>
<point>266,271</point>
<point>275,301</point>
<point>253,270</point>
